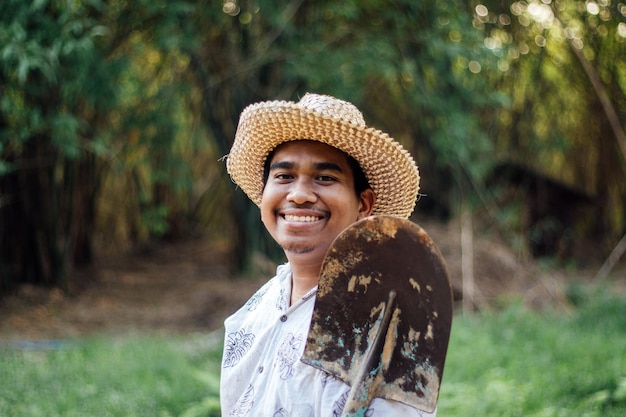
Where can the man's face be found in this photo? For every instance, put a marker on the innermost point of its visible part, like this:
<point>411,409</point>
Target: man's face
<point>309,198</point>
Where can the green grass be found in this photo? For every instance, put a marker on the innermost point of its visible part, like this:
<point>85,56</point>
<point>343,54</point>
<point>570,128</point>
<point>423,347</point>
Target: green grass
<point>521,363</point>
<point>131,376</point>
<point>507,363</point>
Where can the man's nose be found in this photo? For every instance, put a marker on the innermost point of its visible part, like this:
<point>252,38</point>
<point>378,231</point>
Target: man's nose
<point>302,192</point>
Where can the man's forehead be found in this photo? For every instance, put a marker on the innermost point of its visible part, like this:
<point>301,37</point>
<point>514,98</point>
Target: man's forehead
<point>307,147</point>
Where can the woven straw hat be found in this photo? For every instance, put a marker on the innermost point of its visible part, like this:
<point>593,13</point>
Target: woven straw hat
<point>389,168</point>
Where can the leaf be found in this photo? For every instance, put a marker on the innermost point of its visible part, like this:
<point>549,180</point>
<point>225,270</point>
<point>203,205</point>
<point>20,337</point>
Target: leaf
<point>237,345</point>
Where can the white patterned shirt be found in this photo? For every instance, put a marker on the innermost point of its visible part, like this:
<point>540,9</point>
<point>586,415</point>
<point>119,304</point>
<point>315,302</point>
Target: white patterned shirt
<point>262,374</point>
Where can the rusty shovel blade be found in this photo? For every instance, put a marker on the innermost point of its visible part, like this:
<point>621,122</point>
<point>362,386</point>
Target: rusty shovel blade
<point>383,314</point>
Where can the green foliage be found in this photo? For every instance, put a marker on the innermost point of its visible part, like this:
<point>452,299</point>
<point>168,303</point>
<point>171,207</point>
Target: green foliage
<point>47,51</point>
<point>522,363</point>
<point>130,376</point>
<point>125,108</point>
<point>85,87</point>
<point>563,65</point>
<point>601,310</point>
<point>399,61</point>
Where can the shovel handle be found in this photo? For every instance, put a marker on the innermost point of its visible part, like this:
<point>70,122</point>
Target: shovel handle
<point>360,395</point>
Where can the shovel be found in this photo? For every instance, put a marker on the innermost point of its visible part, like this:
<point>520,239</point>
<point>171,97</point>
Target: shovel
<point>382,316</point>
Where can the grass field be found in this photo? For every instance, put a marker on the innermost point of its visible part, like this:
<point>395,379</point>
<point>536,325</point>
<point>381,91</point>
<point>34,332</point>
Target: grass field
<point>512,362</point>
<point>520,363</point>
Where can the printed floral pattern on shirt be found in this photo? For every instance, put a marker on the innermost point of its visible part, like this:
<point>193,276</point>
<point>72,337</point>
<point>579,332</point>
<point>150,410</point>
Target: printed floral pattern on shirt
<point>281,412</point>
<point>237,345</point>
<point>282,302</point>
<point>244,404</point>
<point>255,300</point>
<point>288,354</point>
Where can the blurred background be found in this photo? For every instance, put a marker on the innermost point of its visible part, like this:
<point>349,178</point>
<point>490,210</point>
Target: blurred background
<point>124,243</point>
<point>115,117</point>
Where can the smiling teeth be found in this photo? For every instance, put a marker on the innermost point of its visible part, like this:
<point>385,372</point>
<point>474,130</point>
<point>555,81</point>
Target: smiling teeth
<point>292,218</point>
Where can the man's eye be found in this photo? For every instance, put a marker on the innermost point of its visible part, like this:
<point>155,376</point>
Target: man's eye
<point>326,178</point>
<point>282,176</point>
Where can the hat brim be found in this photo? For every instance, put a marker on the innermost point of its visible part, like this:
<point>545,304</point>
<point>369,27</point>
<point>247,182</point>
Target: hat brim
<point>388,167</point>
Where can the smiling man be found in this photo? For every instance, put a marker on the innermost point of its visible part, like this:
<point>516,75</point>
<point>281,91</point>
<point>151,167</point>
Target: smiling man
<point>308,199</point>
<point>313,168</point>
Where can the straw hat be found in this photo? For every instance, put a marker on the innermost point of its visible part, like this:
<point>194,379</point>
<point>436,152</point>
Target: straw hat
<point>389,168</point>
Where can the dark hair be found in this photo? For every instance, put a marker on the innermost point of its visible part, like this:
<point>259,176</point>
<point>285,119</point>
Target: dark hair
<point>360,180</point>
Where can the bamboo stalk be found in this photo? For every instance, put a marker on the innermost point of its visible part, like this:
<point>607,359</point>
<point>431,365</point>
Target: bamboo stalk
<point>610,262</point>
<point>467,261</point>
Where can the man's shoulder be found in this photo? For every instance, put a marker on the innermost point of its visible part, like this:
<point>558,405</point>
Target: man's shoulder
<point>268,295</point>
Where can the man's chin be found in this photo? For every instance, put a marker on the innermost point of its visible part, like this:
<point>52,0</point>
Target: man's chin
<point>297,249</point>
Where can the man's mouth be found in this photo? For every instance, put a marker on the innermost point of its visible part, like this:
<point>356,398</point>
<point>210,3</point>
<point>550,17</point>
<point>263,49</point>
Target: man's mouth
<point>302,219</point>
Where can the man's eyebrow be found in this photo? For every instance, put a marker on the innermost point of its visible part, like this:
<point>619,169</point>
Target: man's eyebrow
<point>327,166</point>
<point>319,166</point>
<point>282,165</point>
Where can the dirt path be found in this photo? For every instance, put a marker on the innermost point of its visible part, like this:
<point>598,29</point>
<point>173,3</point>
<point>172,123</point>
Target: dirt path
<point>184,288</point>
<point>180,288</point>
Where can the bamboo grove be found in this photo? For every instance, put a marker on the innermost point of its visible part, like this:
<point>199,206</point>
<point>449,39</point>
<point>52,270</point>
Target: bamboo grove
<point>115,116</point>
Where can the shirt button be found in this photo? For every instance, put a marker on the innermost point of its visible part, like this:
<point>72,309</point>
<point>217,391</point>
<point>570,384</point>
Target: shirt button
<point>283,318</point>
<point>260,369</point>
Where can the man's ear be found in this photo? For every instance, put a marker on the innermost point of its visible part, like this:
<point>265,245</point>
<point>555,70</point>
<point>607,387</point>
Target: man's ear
<point>367,198</point>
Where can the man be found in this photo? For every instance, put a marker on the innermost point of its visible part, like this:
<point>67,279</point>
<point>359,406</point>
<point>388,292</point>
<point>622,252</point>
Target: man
<point>313,168</point>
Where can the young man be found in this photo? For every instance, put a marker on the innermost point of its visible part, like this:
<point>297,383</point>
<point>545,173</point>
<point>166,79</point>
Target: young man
<point>313,168</point>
